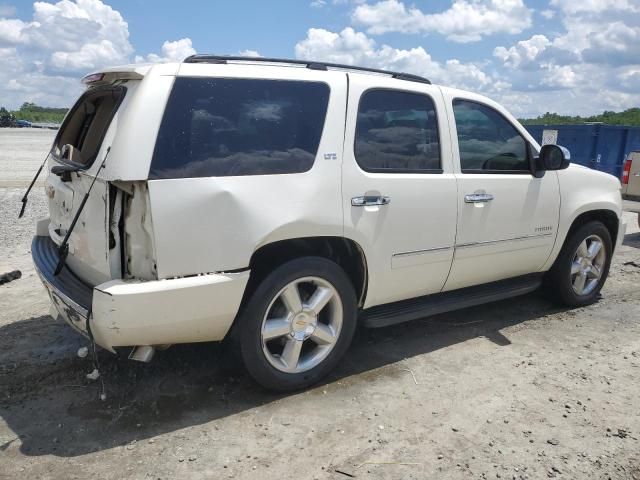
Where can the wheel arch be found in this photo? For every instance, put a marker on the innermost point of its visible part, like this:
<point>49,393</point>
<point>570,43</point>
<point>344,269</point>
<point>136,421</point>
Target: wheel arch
<point>606,216</point>
<point>603,214</point>
<point>343,251</point>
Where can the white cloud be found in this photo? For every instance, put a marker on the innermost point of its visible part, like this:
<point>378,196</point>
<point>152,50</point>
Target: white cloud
<point>65,27</point>
<point>588,62</point>
<point>356,48</point>
<point>94,30</point>
<point>591,36</point>
<point>249,53</point>
<point>175,51</point>
<point>560,76</point>
<point>44,58</point>
<point>548,14</point>
<point>590,66</point>
<point>617,43</point>
<point>11,31</point>
<point>324,3</point>
<point>629,80</point>
<point>464,21</point>
<point>523,52</point>
<point>595,6</point>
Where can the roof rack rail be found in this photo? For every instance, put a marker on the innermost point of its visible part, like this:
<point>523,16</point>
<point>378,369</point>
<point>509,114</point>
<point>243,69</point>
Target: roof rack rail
<point>310,64</point>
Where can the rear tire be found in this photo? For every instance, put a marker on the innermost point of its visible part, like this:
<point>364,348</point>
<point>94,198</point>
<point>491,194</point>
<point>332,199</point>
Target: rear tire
<point>297,324</point>
<point>579,272</point>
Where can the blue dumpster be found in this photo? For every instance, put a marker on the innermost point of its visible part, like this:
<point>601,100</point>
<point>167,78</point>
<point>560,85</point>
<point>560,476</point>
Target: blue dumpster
<point>598,146</point>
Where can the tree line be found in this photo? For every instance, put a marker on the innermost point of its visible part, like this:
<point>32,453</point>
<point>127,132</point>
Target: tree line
<point>31,113</point>
<point>630,116</point>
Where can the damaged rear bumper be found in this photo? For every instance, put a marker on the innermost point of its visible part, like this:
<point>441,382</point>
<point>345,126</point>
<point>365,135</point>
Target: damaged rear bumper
<point>130,313</point>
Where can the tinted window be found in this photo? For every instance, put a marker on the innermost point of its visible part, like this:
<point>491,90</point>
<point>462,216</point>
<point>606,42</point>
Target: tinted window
<point>487,141</point>
<point>223,127</point>
<point>397,132</point>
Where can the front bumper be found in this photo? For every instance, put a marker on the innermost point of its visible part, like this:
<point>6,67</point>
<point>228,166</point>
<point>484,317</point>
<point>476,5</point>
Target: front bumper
<point>131,312</point>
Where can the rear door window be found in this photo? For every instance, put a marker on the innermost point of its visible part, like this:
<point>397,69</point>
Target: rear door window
<point>81,134</point>
<point>227,127</point>
<point>397,132</point>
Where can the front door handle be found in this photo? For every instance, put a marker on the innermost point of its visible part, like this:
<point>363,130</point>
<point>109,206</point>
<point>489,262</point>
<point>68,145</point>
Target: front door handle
<point>370,201</point>
<point>478,197</point>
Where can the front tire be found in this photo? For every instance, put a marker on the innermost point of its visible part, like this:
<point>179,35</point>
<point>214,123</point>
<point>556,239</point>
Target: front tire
<point>579,272</point>
<point>297,324</point>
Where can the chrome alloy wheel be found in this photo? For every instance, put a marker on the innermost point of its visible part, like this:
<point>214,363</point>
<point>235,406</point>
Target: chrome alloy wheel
<point>302,325</point>
<point>588,263</point>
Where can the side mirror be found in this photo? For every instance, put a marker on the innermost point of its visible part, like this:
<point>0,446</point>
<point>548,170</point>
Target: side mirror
<point>553,157</point>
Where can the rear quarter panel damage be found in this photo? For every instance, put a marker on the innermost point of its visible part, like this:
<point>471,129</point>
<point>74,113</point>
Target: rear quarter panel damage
<point>215,224</point>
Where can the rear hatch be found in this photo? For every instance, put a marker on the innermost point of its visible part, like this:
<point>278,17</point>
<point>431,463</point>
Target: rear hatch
<point>97,141</point>
<point>75,158</point>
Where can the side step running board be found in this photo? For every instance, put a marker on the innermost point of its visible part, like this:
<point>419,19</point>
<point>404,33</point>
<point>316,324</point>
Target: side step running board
<point>414,308</point>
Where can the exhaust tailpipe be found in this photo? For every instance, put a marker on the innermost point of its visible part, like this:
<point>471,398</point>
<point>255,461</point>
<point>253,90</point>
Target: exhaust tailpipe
<point>142,353</point>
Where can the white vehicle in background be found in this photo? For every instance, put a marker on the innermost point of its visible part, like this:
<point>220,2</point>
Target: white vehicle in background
<point>631,182</point>
<point>282,202</point>
<point>631,177</point>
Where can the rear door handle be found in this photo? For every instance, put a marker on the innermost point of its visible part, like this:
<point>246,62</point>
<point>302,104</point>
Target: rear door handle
<point>369,201</point>
<point>478,197</point>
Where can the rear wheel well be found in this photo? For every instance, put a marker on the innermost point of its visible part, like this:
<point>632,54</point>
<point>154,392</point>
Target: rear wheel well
<point>343,251</point>
<point>607,217</point>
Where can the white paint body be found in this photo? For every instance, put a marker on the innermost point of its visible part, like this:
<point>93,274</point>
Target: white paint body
<point>427,240</point>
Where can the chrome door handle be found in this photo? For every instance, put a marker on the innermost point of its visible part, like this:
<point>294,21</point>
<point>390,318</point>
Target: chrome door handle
<point>478,197</point>
<point>369,201</point>
<point>636,174</point>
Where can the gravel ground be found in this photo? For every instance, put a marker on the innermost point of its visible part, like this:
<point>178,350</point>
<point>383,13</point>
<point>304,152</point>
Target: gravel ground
<point>516,389</point>
<point>22,150</point>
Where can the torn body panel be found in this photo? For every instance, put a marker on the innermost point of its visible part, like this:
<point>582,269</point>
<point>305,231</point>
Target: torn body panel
<point>139,251</point>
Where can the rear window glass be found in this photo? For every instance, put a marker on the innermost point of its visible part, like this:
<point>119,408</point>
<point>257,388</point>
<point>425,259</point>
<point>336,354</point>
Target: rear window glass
<point>226,127</point>
<point>84,128</point>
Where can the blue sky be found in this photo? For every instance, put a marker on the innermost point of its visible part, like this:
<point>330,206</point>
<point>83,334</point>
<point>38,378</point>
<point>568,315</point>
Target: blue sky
<point>568,56</point>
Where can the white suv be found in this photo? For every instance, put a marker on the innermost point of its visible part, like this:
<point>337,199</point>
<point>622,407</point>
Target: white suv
<point>282,202</point>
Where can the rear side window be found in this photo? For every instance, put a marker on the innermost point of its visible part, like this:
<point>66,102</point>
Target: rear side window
<point>397,132</point>
<point>488,141</point>
<point>85,126</point>
<point>216,127</point>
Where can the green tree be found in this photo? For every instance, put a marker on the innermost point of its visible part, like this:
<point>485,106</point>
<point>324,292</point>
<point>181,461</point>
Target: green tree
<point>7,119</point>
<point>629,117</point>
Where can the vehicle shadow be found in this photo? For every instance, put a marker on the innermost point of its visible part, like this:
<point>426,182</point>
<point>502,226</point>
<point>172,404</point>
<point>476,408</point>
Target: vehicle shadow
<point>632,240</point>
<point>54,410</point>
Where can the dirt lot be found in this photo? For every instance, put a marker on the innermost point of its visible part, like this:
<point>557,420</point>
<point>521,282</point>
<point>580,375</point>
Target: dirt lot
<point>516,389</point>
